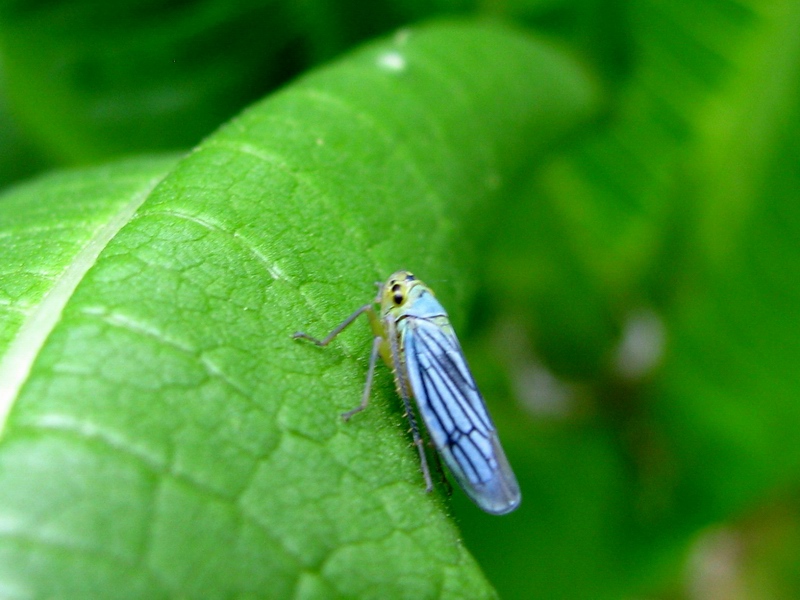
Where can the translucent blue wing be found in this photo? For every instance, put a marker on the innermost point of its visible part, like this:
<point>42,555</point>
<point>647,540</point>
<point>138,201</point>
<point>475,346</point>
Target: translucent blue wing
<point>452,408</point>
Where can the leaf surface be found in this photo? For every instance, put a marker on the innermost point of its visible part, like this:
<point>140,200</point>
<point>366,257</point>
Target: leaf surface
<point>172,439</point>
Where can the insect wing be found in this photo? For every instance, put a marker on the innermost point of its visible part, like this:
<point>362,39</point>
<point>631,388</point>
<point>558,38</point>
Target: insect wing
<point>455,414</point>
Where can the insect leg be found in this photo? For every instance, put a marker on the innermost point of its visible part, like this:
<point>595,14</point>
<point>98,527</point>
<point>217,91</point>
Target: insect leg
<point>337,331</point>
<point>373,357</point>
<point>419,443</point>
<point>440,470</point>
<point>403,389</point>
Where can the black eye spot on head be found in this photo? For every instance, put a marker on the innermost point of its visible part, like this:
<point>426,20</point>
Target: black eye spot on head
<point>410,277</point>
<point>398,294</point>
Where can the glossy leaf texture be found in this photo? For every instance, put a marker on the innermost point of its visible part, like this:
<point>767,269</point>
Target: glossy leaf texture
<point>169,438</point>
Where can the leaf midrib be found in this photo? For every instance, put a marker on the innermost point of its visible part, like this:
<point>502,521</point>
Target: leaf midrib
<point>16,363</point>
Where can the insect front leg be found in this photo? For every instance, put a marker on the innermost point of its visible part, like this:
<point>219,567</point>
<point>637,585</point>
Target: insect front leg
<point>377,344</point>
<point>367,308</point>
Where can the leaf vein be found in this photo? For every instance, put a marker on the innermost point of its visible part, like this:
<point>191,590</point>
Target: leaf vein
<point>16,364</point>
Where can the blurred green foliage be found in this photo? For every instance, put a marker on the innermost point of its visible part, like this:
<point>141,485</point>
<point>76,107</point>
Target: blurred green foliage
<point>637,328</point>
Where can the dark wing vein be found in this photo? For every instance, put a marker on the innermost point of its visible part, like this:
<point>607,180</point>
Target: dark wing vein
<point>447,394</point>
<point>455,372</point>
<point>468,399</point>
<point>456,438</point>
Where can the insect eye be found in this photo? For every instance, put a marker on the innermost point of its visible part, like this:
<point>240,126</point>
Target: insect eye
<point>410,277</point>
<point>398,294</point>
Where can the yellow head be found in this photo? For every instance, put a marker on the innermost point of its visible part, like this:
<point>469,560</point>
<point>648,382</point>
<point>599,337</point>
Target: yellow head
<point>397,290</point>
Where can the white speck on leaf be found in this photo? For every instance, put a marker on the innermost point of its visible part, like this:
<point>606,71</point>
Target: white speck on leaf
<point>392,61</point>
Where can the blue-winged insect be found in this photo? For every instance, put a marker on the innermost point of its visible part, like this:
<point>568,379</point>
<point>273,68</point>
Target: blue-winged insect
<point>414,337</point>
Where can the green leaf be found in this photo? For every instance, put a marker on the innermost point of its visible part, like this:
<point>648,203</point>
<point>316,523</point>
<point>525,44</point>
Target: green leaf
<point>170,438</point>
<point>53,230</point>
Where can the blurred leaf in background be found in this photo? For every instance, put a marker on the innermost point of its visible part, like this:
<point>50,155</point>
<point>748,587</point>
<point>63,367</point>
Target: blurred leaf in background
<point>634,275</point>
<point>679,206</point>
<point>19,157</point>
<point>90,81</point>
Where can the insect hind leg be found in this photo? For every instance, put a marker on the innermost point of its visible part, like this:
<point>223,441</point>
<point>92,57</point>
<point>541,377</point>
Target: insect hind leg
<point>439,468</point>
<point>420,444</point>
